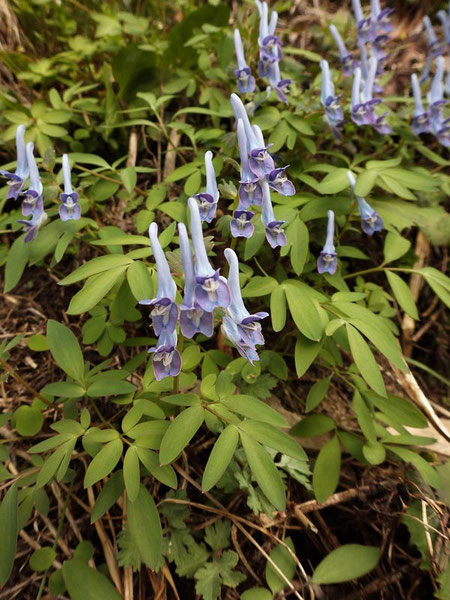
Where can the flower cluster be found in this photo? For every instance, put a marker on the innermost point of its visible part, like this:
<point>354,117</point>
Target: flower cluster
<point>258,176</point>
<point>32,200</point>
<point>204,291</point>
<point>270,55</point>
<point>372,31</point>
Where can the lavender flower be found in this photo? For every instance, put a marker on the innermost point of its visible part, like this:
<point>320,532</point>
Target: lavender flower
<point>363,103</point>
<point>421,120</point>
<point>166,358</point>
<point>327,261</point>
<point>333,112</point>
<point>245,79</point>
<point>211,290</point>
<point>380,18</point>
<point>241,225</point>
<point>439,126</point>
<point>274,233</point>
<point>165,312</point>
<point>269,44</point>
<point>279,182</point>
<point>347,60</point>
<point>435,47</point>
<point>281,86</point>
<point>38,218</point>
<point>260,162</point>
<point>30,204</point>
<point>363,26</point>
<point>231,331</point>
<point>444,18</point>
<point>69,209</point>
<point>207,201</point>
<point>250,191</point>
<point>17,179</point>
<point>248,325</point>
<point>193,319</point>
<point>370,219</point>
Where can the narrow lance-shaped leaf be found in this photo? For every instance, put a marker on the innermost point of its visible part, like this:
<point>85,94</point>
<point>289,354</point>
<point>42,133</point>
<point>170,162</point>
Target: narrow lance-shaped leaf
<point>220,457</point>
<point>180,432</point>
<point>65,350</point>
<point>365,360</point>
<point>8,526</point>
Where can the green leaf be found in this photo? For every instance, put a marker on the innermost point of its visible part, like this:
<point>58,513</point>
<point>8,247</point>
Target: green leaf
<point>278,308</point>
<point>183,171</point>
<point>8,526</point>
<point>109,495</point>
<point>259,286</point>
<point>257,594</point>
<point>84,583</point>
<point>264,471</point>
<point>175,210</point>
<point>251,407</point>
<point>317,393</point>
<point>298,236</point>
<point>399,409</point>
<point>95,266</point>
<point>424,467</point>
<point>150,460</point>
<point>220,457</point>
<point>327,469</point>
<point>365,182</point>
<point>103,462</point>
<point>28,420</point>
<point>304,312</point>
<point>42,559</point>
<point>365,360</point>
<point>129,178</point>
<point>395,246</point>
<point>374,453</point>
<point>88,159</point>
<point>270,436</point>
<point>110,386</point>
<point>312,426</point>
<point>345,563</point>
<point>180,432</point>
<point>131,473</point>
<point>95,288</point>
<point>140,281</point>
<point>365,417</point>
<point>334,182</point>
<point>65,350</point>
<point>305,353</point>
<point>64,389</point>
<point>285,562</point>
<point>145,527</point>
<point>403,294</point>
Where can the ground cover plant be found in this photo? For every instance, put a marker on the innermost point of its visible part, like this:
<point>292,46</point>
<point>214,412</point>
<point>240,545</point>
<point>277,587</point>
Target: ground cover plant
<point>224,329</point>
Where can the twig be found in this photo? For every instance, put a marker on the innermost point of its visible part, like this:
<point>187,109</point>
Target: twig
<point>20,379</point>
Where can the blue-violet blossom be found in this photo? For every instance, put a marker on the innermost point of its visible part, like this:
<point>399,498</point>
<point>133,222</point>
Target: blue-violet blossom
<point>211,290</point>
<point>207,201</point>
<point>17,179</point>
<point>435,47</point>
<point>274,232</point>
<point>193,319</point>
<point>327,261</point>
<point>30,203</point>
<point>370,219</point>
<point>38,218</point>
<point>421,120</point>
<point>241,224</point>
<point>69,209</point>
<point>250,190</point>
<point>439,126</point>
<point>166,358</point>
<point>347,60</point>
<point>333,111</point>
<point>165,312</point>
<point>245,79</point>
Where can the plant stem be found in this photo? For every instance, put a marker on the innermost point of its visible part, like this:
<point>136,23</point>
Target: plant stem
<point>18,378</point>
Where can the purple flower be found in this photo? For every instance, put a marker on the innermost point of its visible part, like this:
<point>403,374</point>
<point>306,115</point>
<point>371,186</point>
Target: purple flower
<point>250,190</point>
<point>444,18</point>
<point>327,261</point>
<point>436,98</point>
<point>248,325</point>
<point>279,182</point>
<point>17,179</point>
<point>231,331</point>
<point>435,47</point>
<point>421,121</point>
<point>370,219</point>
<point>363,103</point>
<point>333,112</point>
<point>38,218</point>
<point>274,232</point>
<point>193,319</point>
<point>380,19</point>
<point>69,209</point>
<point>166,358</point>
<point>245,79</point>
<point>34,192</point>
<point>207,201</point>
<point>363,26</point>
<point>211,290</point>
<point>165,311</point>
<point>347,60</point>
<point>269,44</point>
<point>241,225</point>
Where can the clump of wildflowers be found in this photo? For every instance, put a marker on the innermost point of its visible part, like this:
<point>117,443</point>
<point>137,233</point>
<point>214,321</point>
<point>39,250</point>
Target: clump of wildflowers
<point>370,219</point>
